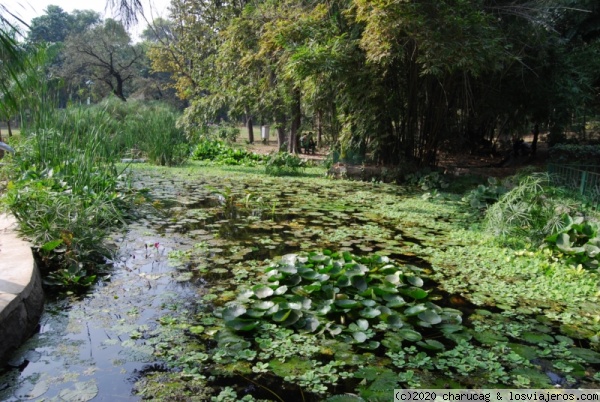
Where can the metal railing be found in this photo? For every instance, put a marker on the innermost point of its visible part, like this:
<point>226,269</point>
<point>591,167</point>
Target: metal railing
<point>583,179</point>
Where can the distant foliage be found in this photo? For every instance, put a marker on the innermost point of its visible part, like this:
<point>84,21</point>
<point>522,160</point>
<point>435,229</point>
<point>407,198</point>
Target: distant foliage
<point>576,154</point>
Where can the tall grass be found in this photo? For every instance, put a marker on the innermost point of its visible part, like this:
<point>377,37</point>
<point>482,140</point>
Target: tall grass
<point>64,185</point>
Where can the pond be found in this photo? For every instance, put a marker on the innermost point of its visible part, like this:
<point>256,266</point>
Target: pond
<point>152,328</point>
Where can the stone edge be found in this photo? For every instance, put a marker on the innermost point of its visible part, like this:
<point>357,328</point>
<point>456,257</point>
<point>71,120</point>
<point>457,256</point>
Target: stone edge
<point>19,317</point>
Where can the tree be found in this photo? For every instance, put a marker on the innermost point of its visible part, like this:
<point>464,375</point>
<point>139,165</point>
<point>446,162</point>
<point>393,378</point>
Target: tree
<point>53,27</point>
<point>103,55</point>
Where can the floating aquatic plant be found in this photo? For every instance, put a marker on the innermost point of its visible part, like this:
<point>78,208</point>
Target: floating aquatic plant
<point>347,297</point>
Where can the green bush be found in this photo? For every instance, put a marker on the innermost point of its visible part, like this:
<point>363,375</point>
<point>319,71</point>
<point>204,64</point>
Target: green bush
<point>219,153</point>
<point>284,163</point>
<point>532,210</point>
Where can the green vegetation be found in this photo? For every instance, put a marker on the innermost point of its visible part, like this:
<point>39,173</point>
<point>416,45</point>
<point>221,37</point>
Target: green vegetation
<point>490,286</point>
<point>283,163</point>
<point>216,152</point>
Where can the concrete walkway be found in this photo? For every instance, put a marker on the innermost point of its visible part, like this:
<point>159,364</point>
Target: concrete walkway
<point>21,294</point>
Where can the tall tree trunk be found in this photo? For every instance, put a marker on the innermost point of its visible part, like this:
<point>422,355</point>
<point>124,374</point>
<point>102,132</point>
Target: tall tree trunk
<point>319,127</point>
<point>250,128</point>
<point>296,121</point>
<point>9,129</point>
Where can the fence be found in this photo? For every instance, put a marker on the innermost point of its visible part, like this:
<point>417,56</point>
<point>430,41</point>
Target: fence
<point>583,179</point>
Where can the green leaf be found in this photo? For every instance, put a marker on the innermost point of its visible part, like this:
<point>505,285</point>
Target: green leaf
<point>415,281</point>
<point>262,291</point>
<point>394,301</point>
<point>359,337</point>
<point>410,335</point>
<point>263,305</point>
<point>231,312</point>
<point>588,355</point>
<point>369,312</point>
<point>431,344</point>
<point>51,245</point>
<point>414,310</point>
<point>362,324</point>
<point>241,324</point>
<point>359,283</point>
<point>282,315</point>
<point>430,317</point>
<point>345,303</point>
<point>395,321</point>
<point>415,293</point>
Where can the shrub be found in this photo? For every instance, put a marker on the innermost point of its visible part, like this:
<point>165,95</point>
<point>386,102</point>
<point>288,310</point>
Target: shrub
<point>532,209</point>
<point>219,153</point>
<point>284,163</point>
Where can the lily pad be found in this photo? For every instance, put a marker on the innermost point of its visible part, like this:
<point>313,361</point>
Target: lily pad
<point>231,312</point>
<point>414,310</point>
<point>80,392</point>
<point>240,324</point>
<point>369,312</point>
<point>588,355</point>
<point>431,344</point>
<point>430,317</point>
<point>415,293</point>
<point>262,291</point>
<point>410,335</point>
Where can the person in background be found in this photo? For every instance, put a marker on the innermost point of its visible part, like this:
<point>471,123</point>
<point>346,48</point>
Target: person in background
<point>536,132</point>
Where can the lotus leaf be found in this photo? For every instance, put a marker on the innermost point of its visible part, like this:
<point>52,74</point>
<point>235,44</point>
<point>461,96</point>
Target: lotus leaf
<point>347,303</point>
<point>240,324</point>
<point>369,312</point>
<point>311,323</point>
<point>394,301</point>
<point>415,293</point>
<point>410,335</point>
<point>231,312</point>
<point>415,281</point>
<point>450,328</point>
<point>254,313</point>
<point>588,355</point>
<point>292,280</point>
<point>359,337</point>
<point>262,291</point>
<point>414,310</point>
<point>489,337</point>
<point>395,321</point>
<point>536,338</point>
<point>430,317</point>
<point>371,345</point>
<point>385,311</point>
<point>343,281</point>
<point>359,283</point>
<point>526,352</point>
<point>393,279</point>
<point>431,344</point>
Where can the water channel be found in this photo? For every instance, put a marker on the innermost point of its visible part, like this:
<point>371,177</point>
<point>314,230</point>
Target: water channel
<point>97,346</point>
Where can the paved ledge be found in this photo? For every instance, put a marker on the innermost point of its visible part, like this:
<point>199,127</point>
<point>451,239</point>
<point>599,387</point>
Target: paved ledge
<point>21,294</point>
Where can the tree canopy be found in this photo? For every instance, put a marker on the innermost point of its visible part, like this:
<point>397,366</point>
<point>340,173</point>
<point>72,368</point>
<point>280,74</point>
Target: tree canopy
<point>398,80</point>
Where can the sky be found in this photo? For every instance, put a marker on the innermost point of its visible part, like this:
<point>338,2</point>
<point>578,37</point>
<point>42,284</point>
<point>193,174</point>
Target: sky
<point>28,9</point>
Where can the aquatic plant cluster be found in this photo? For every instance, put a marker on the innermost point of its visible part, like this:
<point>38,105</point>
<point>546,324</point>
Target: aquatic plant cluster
<point>353,325</point>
